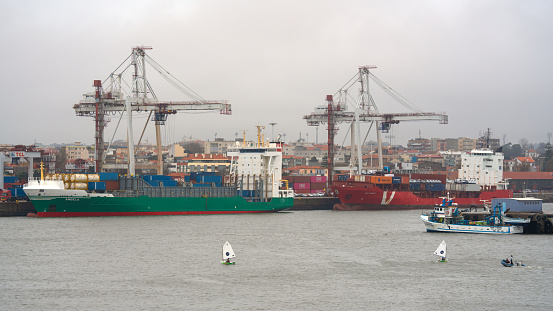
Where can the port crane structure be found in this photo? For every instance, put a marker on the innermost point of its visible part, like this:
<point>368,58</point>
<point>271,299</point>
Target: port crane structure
<point>101,103</point>
<point>365,110</point>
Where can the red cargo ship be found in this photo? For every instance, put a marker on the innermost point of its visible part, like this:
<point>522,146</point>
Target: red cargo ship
<point>367,192</point>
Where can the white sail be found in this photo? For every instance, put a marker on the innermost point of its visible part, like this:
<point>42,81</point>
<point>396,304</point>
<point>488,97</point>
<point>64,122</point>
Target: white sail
<point>441,250</point>
<point>227,251</point>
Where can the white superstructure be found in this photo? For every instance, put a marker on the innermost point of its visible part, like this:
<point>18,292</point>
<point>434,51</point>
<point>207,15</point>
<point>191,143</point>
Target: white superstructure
<point>483,166</point>
<point>258,167</point>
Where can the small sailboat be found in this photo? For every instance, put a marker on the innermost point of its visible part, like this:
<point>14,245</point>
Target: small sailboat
<point>441,251</point>
<point>228,254</point>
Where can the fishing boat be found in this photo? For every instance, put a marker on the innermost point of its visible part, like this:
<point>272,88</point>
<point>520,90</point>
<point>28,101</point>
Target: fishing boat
<point>253,186</point>
<point>441,251</point>
<point>228,254</point>
<point>451,220</point>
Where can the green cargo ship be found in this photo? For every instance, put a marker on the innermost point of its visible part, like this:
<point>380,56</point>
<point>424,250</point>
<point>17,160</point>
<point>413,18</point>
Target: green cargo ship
<point>75,206</point>
<point>248,188</point>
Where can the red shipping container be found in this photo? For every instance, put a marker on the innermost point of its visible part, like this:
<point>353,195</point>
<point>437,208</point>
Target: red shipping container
<point>112,185</point>
<point>318,179</point>
<point>300,179</point>
<point>302,191</point>
<point>318,185</point>
<point>302,186</point>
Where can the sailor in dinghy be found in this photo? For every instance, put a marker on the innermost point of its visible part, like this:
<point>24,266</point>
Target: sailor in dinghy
<point>228,253</point>
<point>441,251</point>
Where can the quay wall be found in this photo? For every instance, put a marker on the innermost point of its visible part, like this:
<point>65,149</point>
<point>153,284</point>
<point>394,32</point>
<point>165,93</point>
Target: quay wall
<point>20,208</point>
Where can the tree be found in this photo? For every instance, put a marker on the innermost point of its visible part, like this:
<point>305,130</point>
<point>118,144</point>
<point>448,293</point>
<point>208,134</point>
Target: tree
<point>325,161</point>
<point>549,165</point>
<point>61,159</point>
<point>193,147</point>
<point>512,151</point>
<point>548,156</point>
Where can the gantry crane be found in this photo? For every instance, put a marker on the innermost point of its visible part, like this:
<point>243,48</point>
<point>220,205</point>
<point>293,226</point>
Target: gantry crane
<point>100,103</point>
<point>364,110</point>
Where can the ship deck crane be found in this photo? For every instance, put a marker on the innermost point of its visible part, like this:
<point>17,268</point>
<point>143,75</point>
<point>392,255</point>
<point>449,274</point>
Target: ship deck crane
<point>102,103</point>
<point>364,110</point>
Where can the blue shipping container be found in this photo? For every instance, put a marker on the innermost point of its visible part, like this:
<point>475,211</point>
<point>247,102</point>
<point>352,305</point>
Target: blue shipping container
<point>206,173</point>
<point>435,187</point>
<point>215,179</point>
<point>10,179</point>
<point>109,176</point>
<point>98,185</point>
<point>201,185</point>
<point>187,178</point>
<point>156,177</point>
<point>17,192</point>
<point>414,187</point>
<point>153,183</point>
<point>169,183</point>
<point>396,180</point>
<point>343,177</point>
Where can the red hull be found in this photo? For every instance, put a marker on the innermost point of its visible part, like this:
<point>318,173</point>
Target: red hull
<point>358,197</point>
<point>102,214</point>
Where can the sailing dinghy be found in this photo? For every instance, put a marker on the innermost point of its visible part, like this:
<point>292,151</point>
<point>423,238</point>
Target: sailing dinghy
<point>228,254</point>
<point>441,251</point>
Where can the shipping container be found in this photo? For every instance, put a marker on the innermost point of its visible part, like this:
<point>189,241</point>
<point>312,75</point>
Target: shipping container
<point>396,180</point>
<point>79,186</point>
<point>153,183</point>
<point>209,179</point>
<point>200,185</point>
<point>302,186</point>
<point>343,177</point>
<point>302,191</point>
<point>79,177</point>
<point>112,185</point>
<point>381,180</point>
<point>156,177</point>
<point>315,179</point>
<point>317,191</point>
<point>414,187</point>
<point>97,185</point>
<point>169,183</point>
<point>109,176</point>
<point>441,178</point>
<point>301,179</point>
<point>10,179</point>
<point>93,177</point>
<point>434,187</point>
<point>318,185</point>
<point>17,192</point>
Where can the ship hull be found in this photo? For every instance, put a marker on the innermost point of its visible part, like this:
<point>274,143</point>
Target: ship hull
<point>432,226</point>
<point>374,198</point>
<point>144,205</point>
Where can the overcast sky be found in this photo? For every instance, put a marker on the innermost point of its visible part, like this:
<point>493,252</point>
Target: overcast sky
<point>486,63</point>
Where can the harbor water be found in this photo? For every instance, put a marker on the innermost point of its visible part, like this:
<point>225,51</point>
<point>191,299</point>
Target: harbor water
<point>301,260</point>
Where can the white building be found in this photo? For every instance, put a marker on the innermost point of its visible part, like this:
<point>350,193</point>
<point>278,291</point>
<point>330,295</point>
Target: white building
<point>483,166</point>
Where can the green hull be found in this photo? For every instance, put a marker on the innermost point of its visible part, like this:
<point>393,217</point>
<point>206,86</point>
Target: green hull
<point>144,205</point>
